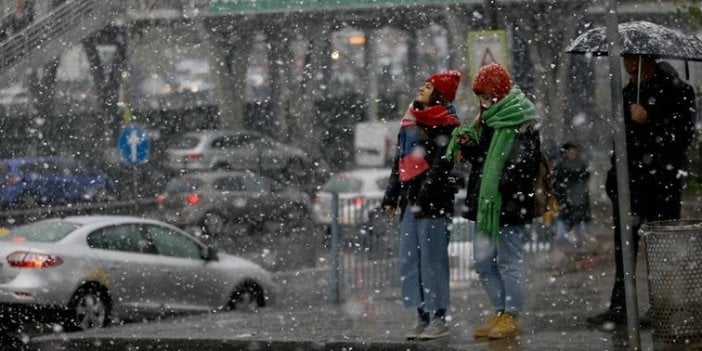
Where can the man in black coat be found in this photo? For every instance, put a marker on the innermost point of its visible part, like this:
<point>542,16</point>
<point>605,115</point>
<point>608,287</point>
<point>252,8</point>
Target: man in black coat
<point>659,120</point>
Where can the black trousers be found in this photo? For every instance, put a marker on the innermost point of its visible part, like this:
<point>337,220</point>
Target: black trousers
<point>643,212</point>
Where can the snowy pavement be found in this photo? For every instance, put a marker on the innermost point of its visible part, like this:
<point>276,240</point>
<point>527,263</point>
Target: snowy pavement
<point>559,300</point>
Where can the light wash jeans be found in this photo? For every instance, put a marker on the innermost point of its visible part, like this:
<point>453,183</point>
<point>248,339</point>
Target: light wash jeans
<point>424,262</point>
<point>500,267</point>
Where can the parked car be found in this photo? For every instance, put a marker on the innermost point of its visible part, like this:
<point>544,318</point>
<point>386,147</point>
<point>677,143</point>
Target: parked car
<point>31,181</point>
<point>234,150</point>
<point>229,202</point>
<point>247,150</point>
<point>88,271</point>
<point>359,190</point>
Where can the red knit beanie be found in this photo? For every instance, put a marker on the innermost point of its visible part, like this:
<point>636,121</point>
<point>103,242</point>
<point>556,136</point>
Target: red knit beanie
<point>492,78</point>
<point>446,83</point>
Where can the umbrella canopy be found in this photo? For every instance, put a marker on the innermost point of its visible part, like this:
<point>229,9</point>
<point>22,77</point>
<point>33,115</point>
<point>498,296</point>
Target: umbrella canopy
<point>641,38</point>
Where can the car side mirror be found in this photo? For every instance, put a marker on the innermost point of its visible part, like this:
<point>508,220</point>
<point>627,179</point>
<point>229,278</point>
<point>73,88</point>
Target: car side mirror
<point>211,254</point>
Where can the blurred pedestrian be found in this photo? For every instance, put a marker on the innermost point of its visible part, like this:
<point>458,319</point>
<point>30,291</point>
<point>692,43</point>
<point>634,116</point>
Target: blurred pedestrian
<point>420,185</point>
<point>659,120</point>
<point>570,178</point>
<point>503,147</point>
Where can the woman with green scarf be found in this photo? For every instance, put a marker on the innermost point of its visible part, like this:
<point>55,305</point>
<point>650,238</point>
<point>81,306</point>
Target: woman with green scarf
<point>503,147</point>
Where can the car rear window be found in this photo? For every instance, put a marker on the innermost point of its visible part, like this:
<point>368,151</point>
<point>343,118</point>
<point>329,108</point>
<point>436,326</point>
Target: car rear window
<point>183,185</point>
<point>48,231</point>
<point>185,143</point>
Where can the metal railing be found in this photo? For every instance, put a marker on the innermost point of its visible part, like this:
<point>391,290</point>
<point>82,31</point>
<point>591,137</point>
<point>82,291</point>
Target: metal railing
<point>368,244</point>
<point>80,15</point>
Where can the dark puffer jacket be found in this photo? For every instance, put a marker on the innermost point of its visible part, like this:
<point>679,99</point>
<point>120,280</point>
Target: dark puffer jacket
<point>434,190</point>
<point>517,180</point>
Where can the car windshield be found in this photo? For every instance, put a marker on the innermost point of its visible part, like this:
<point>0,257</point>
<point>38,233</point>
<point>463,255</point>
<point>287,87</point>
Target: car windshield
<point>185,143</point>
<point>48,231</point>
<point>343,184</point>
<point>183,185</point>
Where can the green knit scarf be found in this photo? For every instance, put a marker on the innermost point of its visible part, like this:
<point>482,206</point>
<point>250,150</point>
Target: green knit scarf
<point>505,117</point>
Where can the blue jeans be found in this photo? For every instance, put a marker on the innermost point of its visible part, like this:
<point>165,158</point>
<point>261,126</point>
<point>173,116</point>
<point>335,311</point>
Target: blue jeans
<point>424,262</point>
<point>500,267</point>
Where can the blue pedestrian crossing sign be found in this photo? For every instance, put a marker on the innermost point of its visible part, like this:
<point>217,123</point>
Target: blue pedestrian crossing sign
<point>134,145</point>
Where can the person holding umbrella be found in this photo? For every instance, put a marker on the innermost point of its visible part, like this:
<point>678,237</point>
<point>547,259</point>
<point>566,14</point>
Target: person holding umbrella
<point>659,121</point>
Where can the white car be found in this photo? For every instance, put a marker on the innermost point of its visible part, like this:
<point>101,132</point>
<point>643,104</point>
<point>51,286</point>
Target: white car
<point>359,190</point>
<point>86,271</point>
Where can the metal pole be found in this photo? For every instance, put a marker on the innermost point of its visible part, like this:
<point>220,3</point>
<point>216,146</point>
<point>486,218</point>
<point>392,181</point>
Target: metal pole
<point>335,239</point>
<point>622,177</point>
<point>490,13</point>
<point>135,184</point>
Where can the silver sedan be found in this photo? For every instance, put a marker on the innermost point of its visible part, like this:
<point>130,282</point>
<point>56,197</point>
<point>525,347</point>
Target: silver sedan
<point>91,270</point>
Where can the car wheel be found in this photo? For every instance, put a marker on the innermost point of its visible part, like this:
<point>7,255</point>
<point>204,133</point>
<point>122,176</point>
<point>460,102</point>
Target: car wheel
<point>90,308</point>
<point>248,297</point>
<point>97,194</point>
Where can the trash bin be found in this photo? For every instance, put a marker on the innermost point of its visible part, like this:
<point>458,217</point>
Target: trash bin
<point>674,256</point>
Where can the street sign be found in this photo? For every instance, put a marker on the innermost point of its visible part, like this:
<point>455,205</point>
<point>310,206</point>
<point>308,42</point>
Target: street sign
<point>486,47</point>
<point>134,145</point>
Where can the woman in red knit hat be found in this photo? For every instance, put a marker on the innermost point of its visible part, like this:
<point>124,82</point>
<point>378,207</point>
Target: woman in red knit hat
<point>503,147</point>
<point>420,186</point>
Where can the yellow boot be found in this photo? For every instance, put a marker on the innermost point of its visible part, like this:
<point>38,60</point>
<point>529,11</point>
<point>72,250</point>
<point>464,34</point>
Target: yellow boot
<point>505,327</point>
<point>482,330</point>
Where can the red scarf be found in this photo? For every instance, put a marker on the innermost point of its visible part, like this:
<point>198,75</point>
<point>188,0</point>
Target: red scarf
<point>413,160</point>
<point>437,115</point>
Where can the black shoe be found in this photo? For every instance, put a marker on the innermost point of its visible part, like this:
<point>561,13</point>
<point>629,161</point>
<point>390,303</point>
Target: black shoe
<point>609,316</point>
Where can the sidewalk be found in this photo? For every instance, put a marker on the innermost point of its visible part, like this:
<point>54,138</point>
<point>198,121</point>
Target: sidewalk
<point>554,319</point>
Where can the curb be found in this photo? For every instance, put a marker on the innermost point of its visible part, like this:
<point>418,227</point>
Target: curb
<point>177,344</point>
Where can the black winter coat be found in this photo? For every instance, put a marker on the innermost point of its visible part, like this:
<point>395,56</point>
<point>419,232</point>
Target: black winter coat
<point>432,191</point>
<point>517,180</point>
<point>656,150</point>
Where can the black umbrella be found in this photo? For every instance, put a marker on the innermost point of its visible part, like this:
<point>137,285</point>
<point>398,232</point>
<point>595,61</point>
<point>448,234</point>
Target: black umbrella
<point>641,38</point>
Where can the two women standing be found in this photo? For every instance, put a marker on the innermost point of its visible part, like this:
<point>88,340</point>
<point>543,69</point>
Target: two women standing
<point>503,147</point>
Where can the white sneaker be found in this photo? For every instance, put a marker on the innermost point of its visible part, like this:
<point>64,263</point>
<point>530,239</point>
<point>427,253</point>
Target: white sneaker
<point>417,329</point>
<point>435,330</point>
